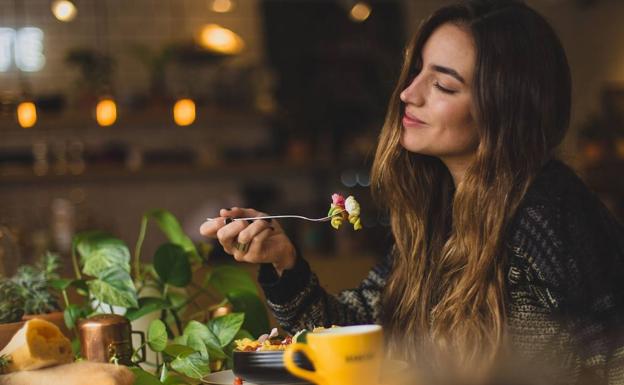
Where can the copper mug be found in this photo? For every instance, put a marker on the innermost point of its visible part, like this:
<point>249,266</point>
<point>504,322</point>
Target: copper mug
<point>108,338</point>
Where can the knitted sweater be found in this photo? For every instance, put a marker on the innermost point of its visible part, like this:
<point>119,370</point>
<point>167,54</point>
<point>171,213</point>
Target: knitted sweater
<point>565,284</point>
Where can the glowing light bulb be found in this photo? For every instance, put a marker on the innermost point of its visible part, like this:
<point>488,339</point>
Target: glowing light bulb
<point>184,112</point>
<point>360,12</point>
<point>64,10</point>
<point>221,40</point>
<point>222,6</point>
<point>106,112</point>
<point>26,114</point>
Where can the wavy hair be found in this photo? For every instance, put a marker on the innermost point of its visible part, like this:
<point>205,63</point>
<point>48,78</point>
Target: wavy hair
<point>447,289</point>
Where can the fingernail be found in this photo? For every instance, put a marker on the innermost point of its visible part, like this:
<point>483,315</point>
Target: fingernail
<point>250,221</point>
<point>228,220</point>
<point>267,220</point>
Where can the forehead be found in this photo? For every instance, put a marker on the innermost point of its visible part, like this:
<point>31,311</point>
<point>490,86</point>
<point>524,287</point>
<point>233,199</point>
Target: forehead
<point>451,46</point>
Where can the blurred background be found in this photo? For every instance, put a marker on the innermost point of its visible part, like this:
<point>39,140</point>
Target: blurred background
<point>109,108</point>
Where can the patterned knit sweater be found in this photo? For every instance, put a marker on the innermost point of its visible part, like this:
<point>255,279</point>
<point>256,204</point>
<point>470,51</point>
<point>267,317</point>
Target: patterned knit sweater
<point>565,284</point>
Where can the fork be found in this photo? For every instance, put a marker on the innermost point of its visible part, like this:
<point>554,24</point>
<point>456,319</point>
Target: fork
<point>323,219</point>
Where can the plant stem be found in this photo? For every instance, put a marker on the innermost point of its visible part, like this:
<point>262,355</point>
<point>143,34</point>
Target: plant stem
<point>75,263</point>
<point>178,322</point>
<point>136,351</point>
<point>137,248</point>
<point>65,298</point>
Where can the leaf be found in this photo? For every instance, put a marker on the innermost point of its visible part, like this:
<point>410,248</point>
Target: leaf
<point>197,331</point>
<point>174,350</point>
<point>104,258</point>
<point>99,251</point>
<point>146,305</point>
<point>169,225</point>
<point>226,327</point>
<point>114,287</point>
<point>242,333</point>
<point>141,377</point>
<point>157,336</point>
<point>227,278</point>
<point>61,284</point>
<point>81,286</point>
<point>75,344</point>
<point>196,343</point>
<point>172,265</point>
<point>192,365</point>
<point>256,317</point>
<point>72,314</point>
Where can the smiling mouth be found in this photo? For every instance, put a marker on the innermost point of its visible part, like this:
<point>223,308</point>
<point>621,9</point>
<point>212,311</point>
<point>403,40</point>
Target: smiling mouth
<point>412,121</point>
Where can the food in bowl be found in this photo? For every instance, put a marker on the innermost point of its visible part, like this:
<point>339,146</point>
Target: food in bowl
<point>261,361</point>
<point>266,342</point>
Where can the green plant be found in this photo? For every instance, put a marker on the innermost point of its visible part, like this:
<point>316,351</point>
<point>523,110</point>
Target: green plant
<point>201,348</point>
<point>34,284</point>
<point>11,304</point>
<point>103,275</point>
<point>30,290</point>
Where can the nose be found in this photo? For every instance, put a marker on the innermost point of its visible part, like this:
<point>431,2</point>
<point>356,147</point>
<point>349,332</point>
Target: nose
<point>413,94</point>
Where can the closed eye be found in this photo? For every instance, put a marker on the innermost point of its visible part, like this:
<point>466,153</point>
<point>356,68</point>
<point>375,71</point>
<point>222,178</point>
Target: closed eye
<point>443,89</point>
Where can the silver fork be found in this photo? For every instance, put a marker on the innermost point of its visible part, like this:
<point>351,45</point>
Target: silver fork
<point>323,219</point>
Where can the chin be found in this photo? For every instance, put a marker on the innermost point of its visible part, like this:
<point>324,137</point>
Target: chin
<point>412,145</point>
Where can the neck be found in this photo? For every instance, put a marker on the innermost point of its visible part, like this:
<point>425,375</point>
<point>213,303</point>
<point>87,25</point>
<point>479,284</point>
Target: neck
<point>457,166</point>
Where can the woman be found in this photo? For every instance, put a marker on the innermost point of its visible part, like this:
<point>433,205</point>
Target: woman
<point>500,250</point>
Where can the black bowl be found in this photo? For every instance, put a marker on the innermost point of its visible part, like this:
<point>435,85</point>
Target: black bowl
<point>268,367</point>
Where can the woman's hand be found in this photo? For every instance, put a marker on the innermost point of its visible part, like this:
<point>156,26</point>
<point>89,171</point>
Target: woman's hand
<point>261,241</point>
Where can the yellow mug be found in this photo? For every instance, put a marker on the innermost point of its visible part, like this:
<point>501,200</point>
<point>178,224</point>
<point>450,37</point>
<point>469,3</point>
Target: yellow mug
<point>349,355</point>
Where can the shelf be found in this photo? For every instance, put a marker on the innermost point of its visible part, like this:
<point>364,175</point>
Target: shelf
<point>108,173</point>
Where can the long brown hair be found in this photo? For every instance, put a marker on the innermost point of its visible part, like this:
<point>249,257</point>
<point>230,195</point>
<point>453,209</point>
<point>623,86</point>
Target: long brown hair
<point>447,288</point>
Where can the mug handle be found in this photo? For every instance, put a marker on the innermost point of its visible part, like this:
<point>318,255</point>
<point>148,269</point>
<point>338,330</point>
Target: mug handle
<point>289,362</point>
<point>140,333</point>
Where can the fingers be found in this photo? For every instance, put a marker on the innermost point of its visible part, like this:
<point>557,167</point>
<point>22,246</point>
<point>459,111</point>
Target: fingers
<point>251,231</point>
<point>247,244</point>
<point>228,234</point>
<point>209,228</point>
<point>254,253</point>
<point>238,237</point>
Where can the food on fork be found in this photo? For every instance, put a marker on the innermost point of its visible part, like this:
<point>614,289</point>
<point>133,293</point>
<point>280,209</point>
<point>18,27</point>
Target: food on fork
<point>342,209</point>
<point>353,209</point>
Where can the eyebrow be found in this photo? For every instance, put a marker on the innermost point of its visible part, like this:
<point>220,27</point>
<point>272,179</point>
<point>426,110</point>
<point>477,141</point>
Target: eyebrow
<point>447,71</point>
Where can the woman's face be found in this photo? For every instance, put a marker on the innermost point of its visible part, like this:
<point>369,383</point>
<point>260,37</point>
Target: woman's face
<point>437,114</point>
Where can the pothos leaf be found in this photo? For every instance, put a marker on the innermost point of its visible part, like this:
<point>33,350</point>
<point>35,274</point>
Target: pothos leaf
<point>192,365</point>
<point>157,336</point>
<point>172,265</point>
<point>171,227</point>
<point>226,327</point>
<point>115,287</point>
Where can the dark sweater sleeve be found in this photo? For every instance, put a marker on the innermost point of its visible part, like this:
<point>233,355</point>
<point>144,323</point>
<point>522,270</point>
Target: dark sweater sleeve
<point>576,250</point>
<point>299,302</point>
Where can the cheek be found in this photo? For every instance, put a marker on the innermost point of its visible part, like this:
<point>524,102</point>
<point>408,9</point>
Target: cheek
<point>456,121</point>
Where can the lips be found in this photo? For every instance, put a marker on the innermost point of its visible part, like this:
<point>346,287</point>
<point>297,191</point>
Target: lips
<point>412,121</point>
